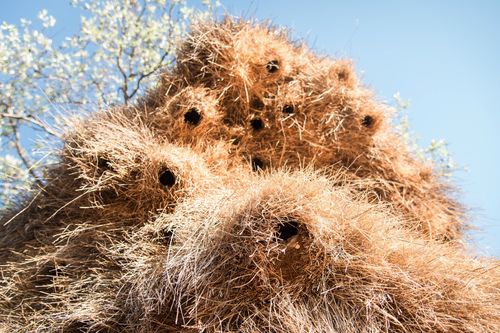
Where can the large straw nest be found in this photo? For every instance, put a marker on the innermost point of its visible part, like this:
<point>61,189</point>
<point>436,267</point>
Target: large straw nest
<point>258,188</point>
<point>281,105</point>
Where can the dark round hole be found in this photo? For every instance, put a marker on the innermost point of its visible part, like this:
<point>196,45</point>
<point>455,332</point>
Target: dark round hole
<point>257,124</point>
<point>257,164</point>
<point>367,121</point>
<point>135,174</point>
<point>103,163</point>
<point>288,109</point>
<point>273,66</point>
<point>287,230</point>
<point>257,104</point>
<point>342,75</point>
<point>167,234</point>
<point>167,178</point>
<point>192,116</point>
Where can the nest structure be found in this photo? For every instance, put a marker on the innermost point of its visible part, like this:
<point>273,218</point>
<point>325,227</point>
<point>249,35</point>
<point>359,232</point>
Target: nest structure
<point>257,188</point>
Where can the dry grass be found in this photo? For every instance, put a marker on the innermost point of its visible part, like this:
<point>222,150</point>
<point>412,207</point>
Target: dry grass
<point>259,188</point>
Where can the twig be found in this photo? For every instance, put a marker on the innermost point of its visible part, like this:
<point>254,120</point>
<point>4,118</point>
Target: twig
<point>31,120</point>
<point>22,154</point>
<point>124,87</point>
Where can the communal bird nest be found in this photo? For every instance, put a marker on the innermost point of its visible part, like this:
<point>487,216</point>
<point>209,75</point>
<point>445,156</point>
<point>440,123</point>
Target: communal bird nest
<point>257,188</point>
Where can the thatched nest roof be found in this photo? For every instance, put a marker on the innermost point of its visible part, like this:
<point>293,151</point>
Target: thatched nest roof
<point>258,188</point>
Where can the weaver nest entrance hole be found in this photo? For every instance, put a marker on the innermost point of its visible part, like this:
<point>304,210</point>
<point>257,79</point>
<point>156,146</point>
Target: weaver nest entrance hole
<point>103,163</point>
<point>288,109</point>
<point>257,164</point>
<point>273,66</point>
<point>287,230</point>
<point>192,116</point>
<point>343,75</point>
<point>368,121</point>
<point>257,104</point>
<point>257,124</point>
<point>167,235</point>
<point>167,178</point>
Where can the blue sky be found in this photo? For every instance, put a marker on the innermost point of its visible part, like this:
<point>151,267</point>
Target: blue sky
<point>444,56</point>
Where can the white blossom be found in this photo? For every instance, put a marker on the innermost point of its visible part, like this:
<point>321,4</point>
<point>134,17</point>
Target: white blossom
<point>38,78</point>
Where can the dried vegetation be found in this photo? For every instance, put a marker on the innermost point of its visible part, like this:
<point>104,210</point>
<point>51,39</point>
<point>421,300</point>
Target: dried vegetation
<point>258,188</point>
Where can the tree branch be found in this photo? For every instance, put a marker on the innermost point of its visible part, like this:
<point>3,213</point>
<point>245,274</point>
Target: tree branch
<point>145,75</point>
<point>124,87</point>
<point>101,92</point>
<point>22,154</point>
<point>30,120</point>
